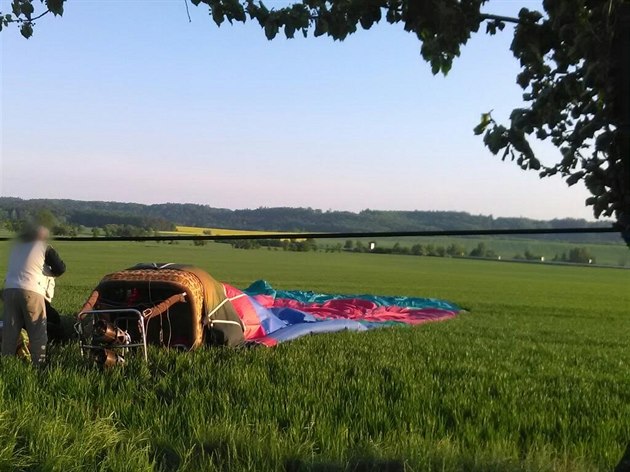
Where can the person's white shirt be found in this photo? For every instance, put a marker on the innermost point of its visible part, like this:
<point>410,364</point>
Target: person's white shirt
<point>26,267</point>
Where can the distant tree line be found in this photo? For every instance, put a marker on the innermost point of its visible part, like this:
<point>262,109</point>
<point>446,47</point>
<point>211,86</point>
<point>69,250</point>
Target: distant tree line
<point>110,219</point>
<point>302,245</point>
<point>164,216</point>
<point>83,222</point>
<point>576,255</point>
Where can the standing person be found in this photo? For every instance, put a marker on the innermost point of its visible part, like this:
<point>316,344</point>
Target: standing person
<point>25,291</point>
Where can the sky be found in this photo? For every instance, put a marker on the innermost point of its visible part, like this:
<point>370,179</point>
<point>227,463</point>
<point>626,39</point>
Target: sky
<point>126,100</point>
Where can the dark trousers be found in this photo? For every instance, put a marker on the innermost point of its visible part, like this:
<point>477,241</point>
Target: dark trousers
<point>54,328</point>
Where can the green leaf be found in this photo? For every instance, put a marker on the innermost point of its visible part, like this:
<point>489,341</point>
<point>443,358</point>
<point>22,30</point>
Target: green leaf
<point>370,17</point>
<point>239,14</point>
<point>575,178</point>
<point>486,119</point>
<point>289,30</point>
<point>55,6</point>
<point>496,139</point>
<point>27,9</point>
<point>321,27</point>
<point>534,163</point>
<point>217,14</point>
<point>26,30</point>
<point>271,29</point>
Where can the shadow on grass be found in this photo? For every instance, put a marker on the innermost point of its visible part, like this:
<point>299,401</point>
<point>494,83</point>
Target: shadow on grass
<point>355,465</point>
<point>224,455</point>
<point>166,458</point>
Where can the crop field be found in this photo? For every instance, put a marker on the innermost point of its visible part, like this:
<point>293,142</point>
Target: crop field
<point>194,230</point>
<point>535,377</point>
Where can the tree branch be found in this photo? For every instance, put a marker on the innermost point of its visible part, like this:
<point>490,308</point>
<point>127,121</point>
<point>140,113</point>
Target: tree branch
<point>187,11</point>
<point>27,20</point>
<point>506,19</point>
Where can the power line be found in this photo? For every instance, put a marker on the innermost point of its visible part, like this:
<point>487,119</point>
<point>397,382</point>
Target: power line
<point>341,235</point>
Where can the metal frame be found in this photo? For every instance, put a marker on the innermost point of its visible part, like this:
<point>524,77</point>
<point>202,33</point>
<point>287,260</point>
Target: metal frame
<point>78,327</point>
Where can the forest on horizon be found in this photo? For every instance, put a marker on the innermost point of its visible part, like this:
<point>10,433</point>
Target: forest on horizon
<point>165,216</point>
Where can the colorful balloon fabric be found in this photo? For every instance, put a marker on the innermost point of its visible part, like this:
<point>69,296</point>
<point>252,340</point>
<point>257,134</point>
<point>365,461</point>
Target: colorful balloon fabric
<point>273,316</point>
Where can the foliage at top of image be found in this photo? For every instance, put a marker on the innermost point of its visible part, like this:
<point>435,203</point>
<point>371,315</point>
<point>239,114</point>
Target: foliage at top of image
<point>574,73</point>
<point>23,14</point>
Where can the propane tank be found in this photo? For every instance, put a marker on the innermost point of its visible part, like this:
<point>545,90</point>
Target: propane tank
<point>107,333</point>
<point>107,358</point>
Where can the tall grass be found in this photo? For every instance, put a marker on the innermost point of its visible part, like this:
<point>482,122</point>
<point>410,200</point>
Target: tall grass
<point>533,378</point>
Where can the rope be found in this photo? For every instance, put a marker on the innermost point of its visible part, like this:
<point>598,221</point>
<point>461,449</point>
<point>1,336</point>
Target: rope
<point>209,321</point>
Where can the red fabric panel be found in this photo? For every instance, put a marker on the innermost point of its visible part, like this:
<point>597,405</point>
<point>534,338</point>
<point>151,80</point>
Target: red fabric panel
<point>246,312</point>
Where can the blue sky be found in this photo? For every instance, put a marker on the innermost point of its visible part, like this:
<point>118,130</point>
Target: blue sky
<point>126,100</point>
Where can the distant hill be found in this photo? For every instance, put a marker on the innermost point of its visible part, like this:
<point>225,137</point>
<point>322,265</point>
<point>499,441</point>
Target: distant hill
<point>160,216</point>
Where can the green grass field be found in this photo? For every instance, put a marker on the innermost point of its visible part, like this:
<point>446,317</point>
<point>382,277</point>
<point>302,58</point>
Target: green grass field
<point>610,254</point>
<point>534,378</point>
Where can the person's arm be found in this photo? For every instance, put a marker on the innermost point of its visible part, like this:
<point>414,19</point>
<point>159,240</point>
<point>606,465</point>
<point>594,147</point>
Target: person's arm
<point>52,260</point>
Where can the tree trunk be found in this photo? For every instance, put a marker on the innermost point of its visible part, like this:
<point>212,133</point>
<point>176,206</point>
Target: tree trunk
<point>621,111</point>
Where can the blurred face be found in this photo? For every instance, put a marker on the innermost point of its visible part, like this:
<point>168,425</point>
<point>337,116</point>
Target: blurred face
<point>43,233</point>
